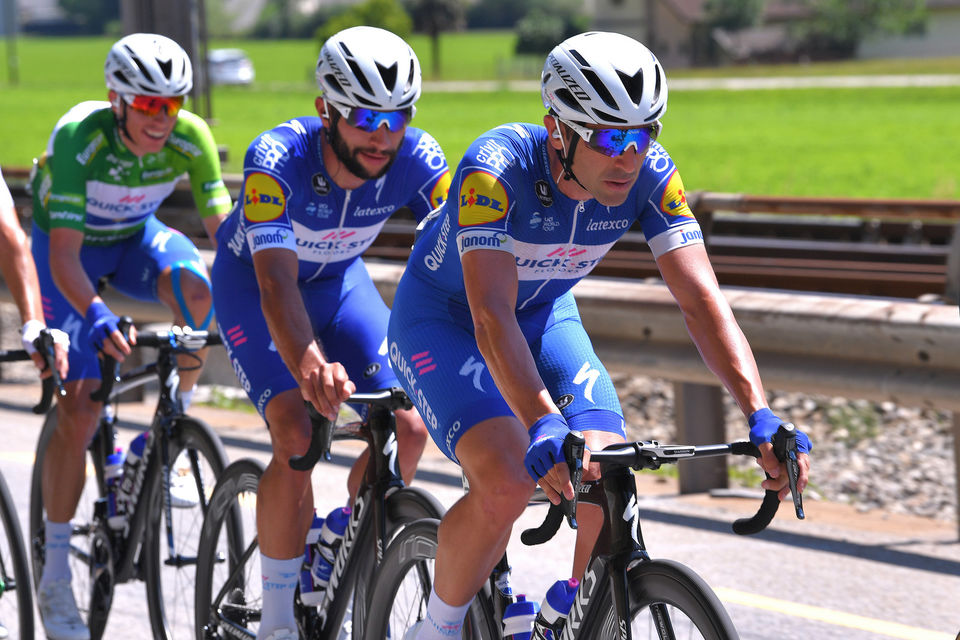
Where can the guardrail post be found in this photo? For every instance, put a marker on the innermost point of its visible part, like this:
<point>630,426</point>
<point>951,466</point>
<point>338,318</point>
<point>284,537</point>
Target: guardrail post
<point>700,420</point>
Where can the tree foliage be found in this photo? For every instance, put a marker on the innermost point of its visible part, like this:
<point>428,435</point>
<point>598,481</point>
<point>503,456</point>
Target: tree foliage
<point>386,14</point>
<point>496,14</point>
<point>433,17</point>
<point>92,16</point>
<point>733,14</point>
<point>548,23</point>
<point>838,26</point>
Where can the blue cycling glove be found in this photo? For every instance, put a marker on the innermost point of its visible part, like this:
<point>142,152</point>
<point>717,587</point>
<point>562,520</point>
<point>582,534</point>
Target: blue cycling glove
<point>546,445</point>
<point>763,424</point>
<point>102,323</point>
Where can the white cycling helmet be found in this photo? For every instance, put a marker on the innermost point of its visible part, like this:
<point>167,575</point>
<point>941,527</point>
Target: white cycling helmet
<point>606,79</point>
<point>148,64</point>
<point>369,67</point>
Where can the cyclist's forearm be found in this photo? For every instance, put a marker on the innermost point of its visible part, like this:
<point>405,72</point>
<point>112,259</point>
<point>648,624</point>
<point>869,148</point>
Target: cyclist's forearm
<point>20,273</point>
<point>210,224</point>
<point>72,280</point>
<point>289,326</point>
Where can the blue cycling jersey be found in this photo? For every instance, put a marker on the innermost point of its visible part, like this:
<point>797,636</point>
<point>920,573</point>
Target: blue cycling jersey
<point>290,201</point>
<point>503,198</point>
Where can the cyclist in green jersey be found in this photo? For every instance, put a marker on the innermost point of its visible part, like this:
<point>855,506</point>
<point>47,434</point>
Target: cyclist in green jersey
<point>107,168</point>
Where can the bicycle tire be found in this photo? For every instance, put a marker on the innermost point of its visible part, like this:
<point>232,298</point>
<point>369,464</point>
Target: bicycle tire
<point>690,603</point>
<point>403,584</point>
<point>403,506</point>
<point>233,501</point>
<point>94,607</point>
<point>16,604</point>
<point>170,580</point>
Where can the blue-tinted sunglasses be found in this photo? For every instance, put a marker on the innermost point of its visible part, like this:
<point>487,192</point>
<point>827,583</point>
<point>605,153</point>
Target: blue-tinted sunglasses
<point>613,142</point>
<point>369,120</point>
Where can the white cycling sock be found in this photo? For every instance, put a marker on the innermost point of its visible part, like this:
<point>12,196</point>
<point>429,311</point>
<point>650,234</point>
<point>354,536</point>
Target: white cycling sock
<point>186,397</point>
<point>56,551</point>
<point>280,579</point>
<point>443,622</point>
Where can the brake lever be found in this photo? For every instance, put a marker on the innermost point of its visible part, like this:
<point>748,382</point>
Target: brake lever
<point>785,448</point>
<point>574,446</point>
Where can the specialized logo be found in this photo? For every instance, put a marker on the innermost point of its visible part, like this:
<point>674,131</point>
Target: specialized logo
<point>564,401</point>
<point>474,368</point>
<point>321,186</point>
<point>589,376</point>
<point>674,200</point>
<point>544,192</point>
<point>263,198</point>
<point>438,195</point>
<point>372,369</point>
<point>572,84</point>
<point>482,199</point>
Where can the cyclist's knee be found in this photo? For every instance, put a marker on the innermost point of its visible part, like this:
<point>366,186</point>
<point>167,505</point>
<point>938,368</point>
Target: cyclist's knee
<point>186,290</point>
<point>289,427</point>
<point>503,495</point>
<point>411,431</point>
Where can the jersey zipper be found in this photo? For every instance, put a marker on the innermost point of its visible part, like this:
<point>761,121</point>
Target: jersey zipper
<point>343,219</point>
<point>577,210</point>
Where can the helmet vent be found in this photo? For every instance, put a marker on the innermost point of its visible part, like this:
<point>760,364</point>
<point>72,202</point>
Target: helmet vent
<point>580,59</point>
<point>361,100</point>
<point>331,81</point>
<point>389,75</point>
<point>564,96</point>
<point>608,118</point>
<point>599,87</point>
<point>143,70</point>
<point>633,84</point>
<point>358,74</point>
<point>410,77</point>
<point>658,84</point>
<point>165,67</point>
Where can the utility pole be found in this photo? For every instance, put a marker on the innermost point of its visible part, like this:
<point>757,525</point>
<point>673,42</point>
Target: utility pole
<point>10,31</point>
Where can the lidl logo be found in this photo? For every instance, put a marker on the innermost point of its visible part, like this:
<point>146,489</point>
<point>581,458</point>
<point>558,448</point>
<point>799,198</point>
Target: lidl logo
<point>263,198</point>
<point>439,193</point>
<point>482,199</point>
<point>674,200</point>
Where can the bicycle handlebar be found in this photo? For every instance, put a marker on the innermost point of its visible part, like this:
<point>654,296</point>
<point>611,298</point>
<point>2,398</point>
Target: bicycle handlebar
<point>321,434</point>
<point>44,344</point>
<point>651,455</point>
<point>176,339</point>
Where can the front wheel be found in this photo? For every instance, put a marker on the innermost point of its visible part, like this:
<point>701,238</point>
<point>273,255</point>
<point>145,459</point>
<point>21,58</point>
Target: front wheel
<point>170,552</point>
<point>668,601</point>
<point>16,594</point>
<point>403,584</point>
<point>229,591</point>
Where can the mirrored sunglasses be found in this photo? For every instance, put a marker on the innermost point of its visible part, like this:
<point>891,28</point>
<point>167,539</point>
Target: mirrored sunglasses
<point>370,120</point>
<point>613,142</point>
<point>151,105</point>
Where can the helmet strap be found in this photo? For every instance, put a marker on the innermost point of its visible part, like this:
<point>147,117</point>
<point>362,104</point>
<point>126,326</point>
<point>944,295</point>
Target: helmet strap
<point>566,159</point>
<point>122,118</point>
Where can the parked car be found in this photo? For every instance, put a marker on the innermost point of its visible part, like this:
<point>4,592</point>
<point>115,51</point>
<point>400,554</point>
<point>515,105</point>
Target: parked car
<point>230,66</point>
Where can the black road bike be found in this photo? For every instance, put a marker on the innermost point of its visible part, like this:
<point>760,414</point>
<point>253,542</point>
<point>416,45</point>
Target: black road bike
<point>16,595</point>
<point>624,593</point>
<point>159,542</point>
<point>228,594</point>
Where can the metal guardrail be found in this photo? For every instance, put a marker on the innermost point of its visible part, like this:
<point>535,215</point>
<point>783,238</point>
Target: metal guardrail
<point>896,350</point>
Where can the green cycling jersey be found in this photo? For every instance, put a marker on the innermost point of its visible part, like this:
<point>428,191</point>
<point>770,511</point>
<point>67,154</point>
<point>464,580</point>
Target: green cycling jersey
<point>89,181</point>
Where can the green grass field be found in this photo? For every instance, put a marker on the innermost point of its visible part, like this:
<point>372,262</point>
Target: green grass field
<point>883,143</point>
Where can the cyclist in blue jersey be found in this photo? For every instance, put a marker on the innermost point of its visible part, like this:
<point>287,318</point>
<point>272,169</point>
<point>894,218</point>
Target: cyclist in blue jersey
<point>107,168</point>
<point>485,334</point>
<point>300,316</point>
<point>20,274</point>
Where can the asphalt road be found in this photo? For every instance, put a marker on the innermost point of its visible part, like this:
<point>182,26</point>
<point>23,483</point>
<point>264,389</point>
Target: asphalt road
<point>837,575</point>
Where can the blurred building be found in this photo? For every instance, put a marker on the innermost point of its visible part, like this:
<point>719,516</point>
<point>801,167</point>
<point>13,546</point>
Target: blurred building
<point>940,38</point>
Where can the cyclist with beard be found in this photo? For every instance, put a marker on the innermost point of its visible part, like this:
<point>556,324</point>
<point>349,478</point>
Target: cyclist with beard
<point>301,317</point>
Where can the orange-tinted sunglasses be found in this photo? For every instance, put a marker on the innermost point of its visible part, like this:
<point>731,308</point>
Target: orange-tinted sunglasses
<point>151,105</point>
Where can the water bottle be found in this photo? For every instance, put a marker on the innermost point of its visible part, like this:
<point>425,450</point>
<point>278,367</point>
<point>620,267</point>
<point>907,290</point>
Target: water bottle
<point>334,527</point>
<point>311,594</point>
<point>518,619</point>
<point>113,472</point>
<point>130,466</point>
<point>554,609</point>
